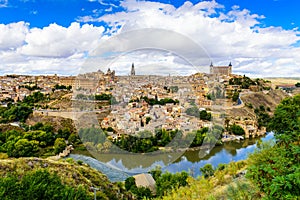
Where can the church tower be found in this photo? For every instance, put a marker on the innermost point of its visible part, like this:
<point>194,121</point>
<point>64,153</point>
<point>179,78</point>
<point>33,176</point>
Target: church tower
<point>230,68</point>
<point>132,70</point>
<point>211,68</point>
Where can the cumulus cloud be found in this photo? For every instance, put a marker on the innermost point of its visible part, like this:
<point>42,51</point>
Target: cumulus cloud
<point>180,37</point>
<point>226,36</point>
<point>58,41</point>
<point>13,35</point>
<point>52,49</point>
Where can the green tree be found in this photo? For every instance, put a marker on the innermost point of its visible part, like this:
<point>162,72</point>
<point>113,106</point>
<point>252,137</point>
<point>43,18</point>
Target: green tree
<point>129,183</point>
<point>235,96</point>
<point>73,138</point>
<point>204,115</point>
<point>167,181</point>
<point>236,130</point>
<point>286,120</point>
<point>59,145</point>
<point>39,184</point>
<point>275,168</point>
<point>207,170</point>
<point>22,148</point>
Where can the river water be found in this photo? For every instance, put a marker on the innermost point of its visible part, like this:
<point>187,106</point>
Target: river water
<point>118,168</point>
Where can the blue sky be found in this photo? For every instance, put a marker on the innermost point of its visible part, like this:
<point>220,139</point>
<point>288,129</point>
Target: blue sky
<point>260,37</point>
<point>40,13</point>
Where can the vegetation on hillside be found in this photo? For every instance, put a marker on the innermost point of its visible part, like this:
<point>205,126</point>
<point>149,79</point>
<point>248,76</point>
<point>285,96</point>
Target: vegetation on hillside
<point>155,101</point>
<point>194,111</point>
<point>21,110</point>
<point>38,140</point>
<point>35,178</point>
<point>276,168</point>
<point>139,192</point>
<point>245,82</point>
<point>219,183</point>
<point>97,97</point>
<point>62,87</point>
<point>272,172</point>
<point>146,141</point>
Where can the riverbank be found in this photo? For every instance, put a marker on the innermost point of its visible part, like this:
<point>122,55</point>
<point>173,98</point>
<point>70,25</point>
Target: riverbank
<point>190,161</point>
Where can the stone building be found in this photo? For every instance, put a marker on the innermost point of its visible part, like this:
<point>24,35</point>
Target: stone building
<point>221,70</point>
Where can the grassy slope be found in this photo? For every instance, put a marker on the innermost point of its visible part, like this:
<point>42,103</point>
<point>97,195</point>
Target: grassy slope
<point>71,174</point>
<point>271,100</point>
<point>228,183</point>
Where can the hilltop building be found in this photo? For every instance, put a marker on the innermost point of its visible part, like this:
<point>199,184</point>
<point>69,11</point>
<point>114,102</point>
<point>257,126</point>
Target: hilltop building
<point>221,70</point>
<point>132,70</point>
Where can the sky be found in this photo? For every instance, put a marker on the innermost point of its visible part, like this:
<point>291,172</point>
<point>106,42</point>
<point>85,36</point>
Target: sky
<point>260,38</point>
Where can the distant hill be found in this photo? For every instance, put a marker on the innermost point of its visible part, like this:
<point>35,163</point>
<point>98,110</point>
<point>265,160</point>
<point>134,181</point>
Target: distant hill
<point>283,80</point>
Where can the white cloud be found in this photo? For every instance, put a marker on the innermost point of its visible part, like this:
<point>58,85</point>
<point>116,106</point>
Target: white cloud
<point>12,35</point>
<point>205,27</point>
<point>58,41</point>
<point>3,3</point>
<point>225,36</point>
<point>52,49</point>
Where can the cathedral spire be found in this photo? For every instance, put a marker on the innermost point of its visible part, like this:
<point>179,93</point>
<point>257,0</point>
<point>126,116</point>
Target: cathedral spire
<point>132,70</point>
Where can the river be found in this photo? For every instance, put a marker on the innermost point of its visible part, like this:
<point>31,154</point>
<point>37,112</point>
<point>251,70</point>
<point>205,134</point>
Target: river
<point>118,168</point>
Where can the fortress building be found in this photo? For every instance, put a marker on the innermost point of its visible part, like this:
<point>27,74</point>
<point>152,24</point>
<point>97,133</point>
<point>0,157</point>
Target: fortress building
<point>221,70</point>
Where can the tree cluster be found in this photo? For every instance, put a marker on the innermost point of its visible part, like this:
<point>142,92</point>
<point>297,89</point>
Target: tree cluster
<point>97,97</point>
<point>245,82</point>
<point>38,140</point>
<point>146,141</point>
<point>21,110</point>
<point>166,182</point>
<point>194,111</point>
<point>62,87</point>
<point>275,168</point>
<point>236,130</point>
<point>155,101</point>
<point>140,192</point>
<point>31,88</point>
<point>40,184</point>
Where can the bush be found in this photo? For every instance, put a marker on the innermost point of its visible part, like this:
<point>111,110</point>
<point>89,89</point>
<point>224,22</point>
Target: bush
<point>59,145</point>
<point>275,168</point>
<point>79,162</point>
<point>39,184</point>
<point>207,170</point>
<point>236,130</point>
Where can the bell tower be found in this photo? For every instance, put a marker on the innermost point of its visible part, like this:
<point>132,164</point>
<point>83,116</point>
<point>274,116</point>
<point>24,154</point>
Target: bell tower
<point>132,70</point>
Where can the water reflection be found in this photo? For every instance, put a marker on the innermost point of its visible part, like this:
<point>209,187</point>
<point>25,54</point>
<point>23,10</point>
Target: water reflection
<point>191,161</point>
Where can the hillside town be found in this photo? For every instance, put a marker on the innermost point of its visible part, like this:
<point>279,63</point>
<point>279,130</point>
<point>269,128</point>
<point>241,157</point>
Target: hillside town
<point>149,102</point>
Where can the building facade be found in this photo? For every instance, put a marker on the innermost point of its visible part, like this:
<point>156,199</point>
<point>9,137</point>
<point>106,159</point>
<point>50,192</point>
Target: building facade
<point>221,70</point>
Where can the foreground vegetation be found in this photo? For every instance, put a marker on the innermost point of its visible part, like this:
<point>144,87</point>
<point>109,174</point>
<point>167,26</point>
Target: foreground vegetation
<point>272,172</point>
<point>276,168</point>
<point>35,178</point>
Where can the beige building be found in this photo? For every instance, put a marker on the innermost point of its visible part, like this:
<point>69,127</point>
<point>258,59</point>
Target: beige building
<point>221,70</point>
